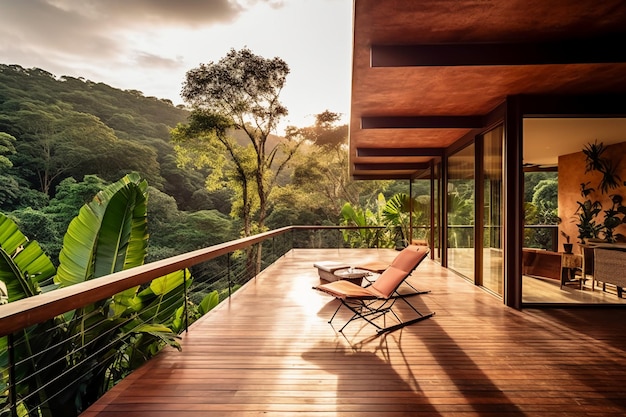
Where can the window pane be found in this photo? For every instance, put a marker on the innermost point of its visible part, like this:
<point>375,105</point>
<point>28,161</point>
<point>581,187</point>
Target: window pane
<point>460,194</point>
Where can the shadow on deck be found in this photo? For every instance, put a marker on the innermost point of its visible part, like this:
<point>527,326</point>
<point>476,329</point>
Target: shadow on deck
<point>270,351</point>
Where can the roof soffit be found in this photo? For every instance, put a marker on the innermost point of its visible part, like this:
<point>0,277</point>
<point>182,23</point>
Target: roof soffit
<point>468,90</point>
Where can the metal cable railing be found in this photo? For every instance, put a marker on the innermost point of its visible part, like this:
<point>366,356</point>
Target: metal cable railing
<point>61,350</point>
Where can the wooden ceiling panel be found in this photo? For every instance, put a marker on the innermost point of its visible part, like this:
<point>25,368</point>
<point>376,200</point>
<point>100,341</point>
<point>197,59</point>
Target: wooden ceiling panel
<point>406,138</point>
<point>466,91</point>
<point>449,21</point>
<point>474,90</point>
<point>392,159</point>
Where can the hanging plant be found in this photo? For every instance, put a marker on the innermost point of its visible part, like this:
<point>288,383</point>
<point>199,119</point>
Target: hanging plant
<point>593,156</point>
<point>610,178</point>
<point>594,161</point>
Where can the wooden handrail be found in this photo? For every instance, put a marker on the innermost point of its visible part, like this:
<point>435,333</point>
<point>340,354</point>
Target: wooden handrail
<point>32,310</point>
<point>23,313</point>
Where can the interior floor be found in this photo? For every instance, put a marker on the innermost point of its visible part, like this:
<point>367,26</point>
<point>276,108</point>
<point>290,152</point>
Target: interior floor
<point>546,290</point>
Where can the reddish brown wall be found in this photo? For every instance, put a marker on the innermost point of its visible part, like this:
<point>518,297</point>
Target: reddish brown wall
<point>572,174</point>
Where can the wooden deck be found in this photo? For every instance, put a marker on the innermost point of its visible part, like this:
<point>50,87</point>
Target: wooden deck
<point>270,351</point>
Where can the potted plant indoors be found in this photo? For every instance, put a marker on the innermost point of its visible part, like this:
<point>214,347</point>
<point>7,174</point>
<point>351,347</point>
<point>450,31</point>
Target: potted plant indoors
<point>586,213</point>
<point>614,216</point>
<point>567,246</point>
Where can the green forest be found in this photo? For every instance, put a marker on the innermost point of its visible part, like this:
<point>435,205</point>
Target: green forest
<point>95,179</point>
<point>62,139</point>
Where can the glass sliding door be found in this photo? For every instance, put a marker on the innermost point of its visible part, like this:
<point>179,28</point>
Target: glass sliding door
<point>421,211</point>
<point>555,176</point>
<point>460,213</point>
<point>436,207</point>
<point>492,267</point>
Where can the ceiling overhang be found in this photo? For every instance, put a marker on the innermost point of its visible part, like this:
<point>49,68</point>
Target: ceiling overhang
<point>426,74</point>
<point>597,51</point>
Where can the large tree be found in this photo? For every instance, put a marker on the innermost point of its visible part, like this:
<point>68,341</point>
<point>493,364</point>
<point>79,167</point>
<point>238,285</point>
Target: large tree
<point>9,187</point>
<point>326,132</point>
<point>239,93</point>
<point>322,168</point>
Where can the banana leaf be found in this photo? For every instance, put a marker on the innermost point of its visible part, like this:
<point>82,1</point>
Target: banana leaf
<point>10,236</point>
<point>18,285</point>
<point>158,303</point>
<point>209,302</point>
<point>23,264</point>
<point>108,235</point>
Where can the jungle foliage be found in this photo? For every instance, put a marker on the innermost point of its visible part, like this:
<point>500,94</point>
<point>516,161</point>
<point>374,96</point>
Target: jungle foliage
<point>541,209</point>
<point>71,127</point>
<point>85,351</point>
<point>62,139</point>
<point>66,140</point>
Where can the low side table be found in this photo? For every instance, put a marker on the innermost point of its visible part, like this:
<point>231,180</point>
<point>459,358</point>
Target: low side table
<point>569,263</point>
<point>326,269</point>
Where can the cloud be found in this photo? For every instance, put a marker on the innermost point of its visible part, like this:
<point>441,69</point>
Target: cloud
<point>97,27</point>
<point>169,12</point>
<point>56,30</point>
<point>153,61</point>
<point>147,45</point>
<point>141,12</point>
<point>39,26</point>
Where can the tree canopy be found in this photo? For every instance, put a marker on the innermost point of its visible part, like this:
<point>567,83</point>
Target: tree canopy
<point>72,127</point>
<point>63,139</point>
<point>239,92</point>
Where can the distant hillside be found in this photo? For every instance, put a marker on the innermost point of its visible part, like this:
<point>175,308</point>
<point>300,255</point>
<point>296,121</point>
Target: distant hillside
<point>113,106</point>
<point>70,127</point>
<point>132,130</point>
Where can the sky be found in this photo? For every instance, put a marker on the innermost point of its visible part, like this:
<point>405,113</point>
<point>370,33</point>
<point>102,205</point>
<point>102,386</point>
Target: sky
<point>149,45</point>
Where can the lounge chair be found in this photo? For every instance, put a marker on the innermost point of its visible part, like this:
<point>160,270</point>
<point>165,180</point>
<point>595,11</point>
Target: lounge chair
<point>378,299</point>
<point>406,260</point>
<point>379,267</point>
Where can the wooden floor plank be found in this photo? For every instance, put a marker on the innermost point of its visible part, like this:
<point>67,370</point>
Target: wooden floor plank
<point>269,351</point>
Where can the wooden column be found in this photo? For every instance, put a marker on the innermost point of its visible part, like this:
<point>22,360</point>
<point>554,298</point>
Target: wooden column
<point>513,203</point>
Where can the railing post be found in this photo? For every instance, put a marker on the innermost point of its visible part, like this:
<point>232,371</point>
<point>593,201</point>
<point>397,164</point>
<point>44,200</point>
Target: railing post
<point>185,300</point>
<point>258,259</point>
<point>230,284</point>
<point>12,381</point>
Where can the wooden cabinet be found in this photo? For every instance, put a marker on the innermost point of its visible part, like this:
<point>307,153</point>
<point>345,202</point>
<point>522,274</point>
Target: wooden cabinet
<point>541,263</point>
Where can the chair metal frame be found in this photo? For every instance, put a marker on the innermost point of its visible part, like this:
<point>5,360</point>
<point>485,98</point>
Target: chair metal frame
<point>366,309</point>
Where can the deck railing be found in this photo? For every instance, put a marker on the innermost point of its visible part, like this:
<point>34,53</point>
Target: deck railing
<point>544,236</point>
<point>44,363</point>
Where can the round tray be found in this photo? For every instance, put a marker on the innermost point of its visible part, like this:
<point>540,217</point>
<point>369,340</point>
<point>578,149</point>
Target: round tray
<point>351,273</point>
